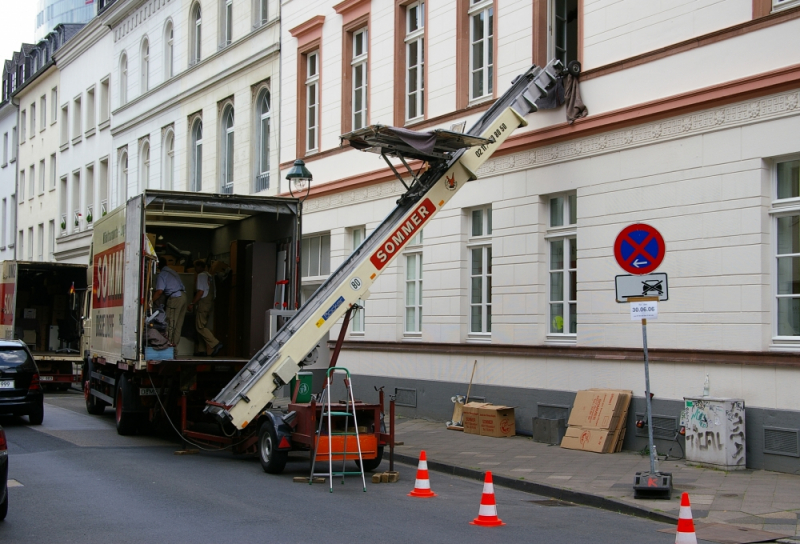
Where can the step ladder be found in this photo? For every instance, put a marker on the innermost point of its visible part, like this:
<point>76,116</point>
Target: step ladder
<point>327,412</point>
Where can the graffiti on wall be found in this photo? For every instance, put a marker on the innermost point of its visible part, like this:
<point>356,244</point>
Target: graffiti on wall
<point>715,432</point>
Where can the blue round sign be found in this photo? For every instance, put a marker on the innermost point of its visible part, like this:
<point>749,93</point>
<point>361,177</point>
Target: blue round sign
<point>639,249</point>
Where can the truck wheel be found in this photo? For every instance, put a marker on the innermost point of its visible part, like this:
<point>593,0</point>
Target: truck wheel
<point>36,417</point>
<point>272,460</point>
<point>94,406</point>
<point>372,464</point>
<point>126,421</point>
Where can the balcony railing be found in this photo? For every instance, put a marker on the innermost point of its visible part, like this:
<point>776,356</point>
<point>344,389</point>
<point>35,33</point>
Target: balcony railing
<point>227,189</point>
<point>103,207</point>
<point>89,215</point>
<point>262,182</point>
<point>76,220</point>
<point>63,223</point>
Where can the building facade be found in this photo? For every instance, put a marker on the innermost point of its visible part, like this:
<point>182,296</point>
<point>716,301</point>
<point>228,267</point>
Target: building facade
<point>51,13</point>
<point>517,272</point>
<point>8,177</point>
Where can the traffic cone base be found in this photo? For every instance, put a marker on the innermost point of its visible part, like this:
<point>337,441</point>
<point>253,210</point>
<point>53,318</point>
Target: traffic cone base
<point>422,486</point>
<point>685,534</point>
<point>487,514</point>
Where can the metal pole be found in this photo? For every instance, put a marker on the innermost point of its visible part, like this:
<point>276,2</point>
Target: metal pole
<point>647,397</point>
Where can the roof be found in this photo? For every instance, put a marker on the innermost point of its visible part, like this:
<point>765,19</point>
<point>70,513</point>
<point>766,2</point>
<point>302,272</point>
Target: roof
<point>400,142</point>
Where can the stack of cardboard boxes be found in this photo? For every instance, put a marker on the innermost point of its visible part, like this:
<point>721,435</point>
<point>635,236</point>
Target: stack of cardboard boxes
<point>487,419</point>
<point>597,420</point>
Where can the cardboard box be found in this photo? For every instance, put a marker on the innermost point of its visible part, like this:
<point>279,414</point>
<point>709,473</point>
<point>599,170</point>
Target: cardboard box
<point>595,440</point>
<point>497,421</point>
<point>597,409</point>
<point>470,418</point>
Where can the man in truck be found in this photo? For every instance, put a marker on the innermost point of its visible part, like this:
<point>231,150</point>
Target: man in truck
<point>203,306</point>
<point>169,283</point>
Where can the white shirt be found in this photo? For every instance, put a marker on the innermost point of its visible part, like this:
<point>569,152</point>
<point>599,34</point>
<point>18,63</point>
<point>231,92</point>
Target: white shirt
<point>204,283</point>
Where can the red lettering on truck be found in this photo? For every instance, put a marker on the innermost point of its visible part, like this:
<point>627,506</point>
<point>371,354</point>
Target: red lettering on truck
<point>402,234</point>
<point>108,274</point>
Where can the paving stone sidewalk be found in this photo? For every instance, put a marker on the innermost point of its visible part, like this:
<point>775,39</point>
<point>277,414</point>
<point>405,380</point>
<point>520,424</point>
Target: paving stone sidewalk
<point>757,499</point>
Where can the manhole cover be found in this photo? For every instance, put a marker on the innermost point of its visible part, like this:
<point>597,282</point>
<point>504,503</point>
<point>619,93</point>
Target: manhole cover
<point>552,502</point>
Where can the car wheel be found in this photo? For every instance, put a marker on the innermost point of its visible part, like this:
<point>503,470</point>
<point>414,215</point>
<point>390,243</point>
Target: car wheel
<point>4,508</point>
<point>272,460</point>
<point>37,416</point>
<point>372,464</point>
<point>94,406</point>
<point>126,420</point>
<point>574,68</point>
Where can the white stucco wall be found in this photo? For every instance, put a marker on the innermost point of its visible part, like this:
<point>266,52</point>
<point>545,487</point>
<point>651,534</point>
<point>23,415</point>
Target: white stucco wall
<point>8,180</point>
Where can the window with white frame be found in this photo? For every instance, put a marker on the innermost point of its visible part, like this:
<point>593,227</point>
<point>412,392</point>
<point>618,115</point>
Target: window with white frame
<point>145,69</point>
<point>786,211</point>
<point>32,182</point>
<point>123,178</point>
<point>357,319</point>
<point>41,176</point>
<point>33,120</point>
<point>316,256</point>
<point>20,244</point>
<point>23,122</point>
<point>778,5</point>
<point>226,150</point>
<point>263,121</point>
<point>54,104</point>
<point>21,185</point>
<point>562,264</point>
<point>312,100</point>
<point>563,30</point>
<point>196,25</point>
<point>90,109</point>
<point>415,60</point>
<point>4,224</point>
<point>53,171</point>
<point>144,164</point>
<point>123,79</point>
<point>104,109</point>
<point>5,149</point>
<point>168,168</point>
<point>40,242</point>
<point>360,76</point>
<point>43,112</point>
<point>263,11</point>
<point>196,170</point>
<point>51,231</point>
<point>30,243</point>
<point>226,22</point>
<point>480,271</point>
<point>481,37</point>
<point>169,50</point>
<point>64,124</point>
<point>14,144</point>
<point>413,287</point>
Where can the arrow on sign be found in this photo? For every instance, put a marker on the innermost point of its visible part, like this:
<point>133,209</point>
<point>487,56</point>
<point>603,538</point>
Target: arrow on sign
<point>637,263</point>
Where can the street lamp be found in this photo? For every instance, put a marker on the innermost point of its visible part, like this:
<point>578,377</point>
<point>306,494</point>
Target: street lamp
<point>299,179</point>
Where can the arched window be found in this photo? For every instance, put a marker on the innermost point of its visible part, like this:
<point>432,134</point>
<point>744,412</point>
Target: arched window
<point>196,180</point>
<point>227,150</point>
<point>168,172</point>
<point>263,119</point>
<point>144,166</point>
<point>169,44</point>
<point>145,65</point>
<point>123,177</point>
<point>195,24</point>
<point>123,79</point>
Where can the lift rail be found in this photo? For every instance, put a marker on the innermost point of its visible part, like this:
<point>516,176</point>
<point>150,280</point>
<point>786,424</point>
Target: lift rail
<point>453,159</point>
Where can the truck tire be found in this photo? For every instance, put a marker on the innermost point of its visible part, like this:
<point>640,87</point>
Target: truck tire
<point>372,464</point>
<point>272,460</point>
<point>94,406</point>
<point>125,419</point>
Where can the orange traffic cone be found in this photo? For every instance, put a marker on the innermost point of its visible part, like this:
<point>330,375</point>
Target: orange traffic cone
<point>422,487</point>
<point>685,534</point>
<point>487,515</point>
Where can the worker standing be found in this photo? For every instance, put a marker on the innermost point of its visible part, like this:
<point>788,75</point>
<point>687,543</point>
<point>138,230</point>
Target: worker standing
<point>203,302</point>
<point>169,283</point>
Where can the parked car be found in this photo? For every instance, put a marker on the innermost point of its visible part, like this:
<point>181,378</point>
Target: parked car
<point>3,475</point>
<point>20,390</point>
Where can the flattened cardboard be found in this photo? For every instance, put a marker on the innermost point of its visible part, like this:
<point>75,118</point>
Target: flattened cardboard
<point>596,408</point>
<point>469,417</point>
<point>594,440</point>
<point>497,421</point>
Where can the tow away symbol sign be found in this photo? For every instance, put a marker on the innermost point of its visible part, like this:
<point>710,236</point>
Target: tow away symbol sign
<point>650,285</point>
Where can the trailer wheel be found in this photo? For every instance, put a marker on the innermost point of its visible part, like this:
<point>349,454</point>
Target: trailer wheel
<point>272,460</point>
<point>94,406</point>
<point>126,421</point>
<point>372,464</point>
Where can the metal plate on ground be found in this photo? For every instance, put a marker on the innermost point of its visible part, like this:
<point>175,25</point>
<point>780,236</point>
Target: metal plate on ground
<point>729,534</point>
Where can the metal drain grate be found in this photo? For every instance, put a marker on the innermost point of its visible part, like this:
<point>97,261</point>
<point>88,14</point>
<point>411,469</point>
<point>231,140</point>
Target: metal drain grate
<point>551,502</point>
<point>405,397</point>
<point>779,441</point>
<point>663,426</point>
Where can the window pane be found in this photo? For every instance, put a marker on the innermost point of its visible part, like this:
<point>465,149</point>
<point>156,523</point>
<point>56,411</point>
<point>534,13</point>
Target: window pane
<point>477,261</point>
<point>789,179</point>
<point>789,234</point>
<point>477,26</point>
<point>488,221</point>
<point>573,253</point>
<point>477,290</point>
<point>325,256</point>
<point>556,286</point>
<point>411,267</point>
<point>411,320</point>
<point>306,258</point>
<point>573,318</point>
<point>489,260</point>
<point>488,289</point>
<point>476,323</point>
<point>477,222</point>
<point>411,293</point>
<point>557,212</point>
<point>264,146</point>
<point>557,255</point>
<point>573,209</point>
<point>789,275</point>
<point>313,265</point>
<point>557,318</point>
<point>412,19</point>
<point>489,318</point>
<point>789,317</point>
<point>573,286</point>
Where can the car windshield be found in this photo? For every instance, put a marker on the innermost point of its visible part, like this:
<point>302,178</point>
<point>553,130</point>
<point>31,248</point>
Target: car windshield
<point>13,357</point>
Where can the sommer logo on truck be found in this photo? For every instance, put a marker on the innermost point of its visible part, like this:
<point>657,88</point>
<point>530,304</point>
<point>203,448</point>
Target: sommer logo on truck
<point>7,295</point>
<point>403,234</point>
<point>108,269</point>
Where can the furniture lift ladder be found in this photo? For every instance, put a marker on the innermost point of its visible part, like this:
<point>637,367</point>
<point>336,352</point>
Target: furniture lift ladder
<point>350,411</point>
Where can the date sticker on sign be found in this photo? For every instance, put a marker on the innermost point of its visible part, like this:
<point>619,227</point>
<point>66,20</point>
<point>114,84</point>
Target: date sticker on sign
<point>644,310</point>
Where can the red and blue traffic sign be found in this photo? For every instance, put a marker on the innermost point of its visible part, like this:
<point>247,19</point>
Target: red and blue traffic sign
<point>639,249</point>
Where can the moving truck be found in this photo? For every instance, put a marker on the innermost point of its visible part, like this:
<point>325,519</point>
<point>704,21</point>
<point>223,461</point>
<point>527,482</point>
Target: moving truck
<point>42,305</point>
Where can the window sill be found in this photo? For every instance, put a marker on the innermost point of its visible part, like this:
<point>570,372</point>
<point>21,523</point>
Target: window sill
<point>356,334</point>
<point>412,336</point>
<point>12,161</point>
<point>414,121</point>
<point>785,343</point>
<point>77,139</point>
<point>64,146</point>
<point>479,338</point>
<point>104,124</point>
<point>42,129</point>
<point>2,248</point>
<point>51,189</point>
<point>479,101</point>
<point>3,165</point>
<point>561,340</point>
<point>784,6</point>
<point>89,133</point>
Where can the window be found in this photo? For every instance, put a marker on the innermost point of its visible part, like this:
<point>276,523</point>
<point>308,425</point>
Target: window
<point>357,322</point>
<point>51,237</point>
<point>54,104</point>
<point>226,151</point>
<point>63,204</point>
<point>123,178</point>
<point>360,76</point>
<point>103,189</point>
<point>413,302</point>
<point>144,165</point>
<point>32,182</point>
<point>12,215</point>
<point>196,24</point>
<point>14,144</point>
<point>123,80</point>
<point>30,244</point>
<point>21,185</point>
<point>168,172</point>
<point>77,120</point>
<point>263,113</point>
<point>33,120</point>
<point>787,253</point>
<point>783,4</point>
<point>563,264</point>
<point>263,11</point>
<point>5,149</point>
<point>23,122</point>
<point>312,100</point>
<point>90,106</point>
<point>104,103</point>
<point>481,39</point>
<point>41,177</point>
<point>564,30</point>
<point>65,124</point>
<point>89,195</point>
<point>40,242</point>
<point>53,171</point>
<point>316,256</point>
<point>43,112</point>
<point>226,22</point>
<point>145,71</point>
<point>415,60</point>
<point>4,219</point>
<point>169,48</point>
<point>20,245</point>
<point>480,250</point>
<point>196,173</point>
<point>76,201</point>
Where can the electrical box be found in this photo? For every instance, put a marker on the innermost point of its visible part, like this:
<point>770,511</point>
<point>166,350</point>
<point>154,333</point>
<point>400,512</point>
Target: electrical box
<point>715,432</point>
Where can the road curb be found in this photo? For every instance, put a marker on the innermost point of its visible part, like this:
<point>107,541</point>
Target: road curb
<point>577,497</point>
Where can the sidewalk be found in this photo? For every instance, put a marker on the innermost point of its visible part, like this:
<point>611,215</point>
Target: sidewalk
<point>756,499</point>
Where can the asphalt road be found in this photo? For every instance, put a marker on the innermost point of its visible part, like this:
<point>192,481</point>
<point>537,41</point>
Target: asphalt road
<point>81,482</point>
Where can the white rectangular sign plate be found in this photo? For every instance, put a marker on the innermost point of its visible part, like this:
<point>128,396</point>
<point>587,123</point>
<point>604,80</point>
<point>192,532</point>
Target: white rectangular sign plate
<point>648,285</point>
<point>644,310</point>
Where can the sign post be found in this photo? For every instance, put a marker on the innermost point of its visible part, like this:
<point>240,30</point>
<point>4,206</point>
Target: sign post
<point>647,302</point>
